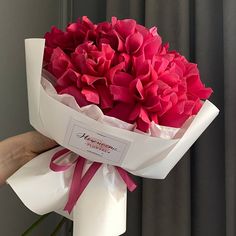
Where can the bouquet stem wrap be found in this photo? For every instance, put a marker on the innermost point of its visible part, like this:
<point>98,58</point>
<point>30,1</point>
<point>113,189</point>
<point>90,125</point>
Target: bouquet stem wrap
<point>101,208</point>
<point>79,181</point>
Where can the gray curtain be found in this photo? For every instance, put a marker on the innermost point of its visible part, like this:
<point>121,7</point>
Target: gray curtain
<point>198,198</point>
<point>19,20</point>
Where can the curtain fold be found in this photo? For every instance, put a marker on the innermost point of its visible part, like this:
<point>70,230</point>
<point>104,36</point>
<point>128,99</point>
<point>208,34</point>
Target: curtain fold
<point>198,197</point>
<point>208,172</point>
<point>229,26</point>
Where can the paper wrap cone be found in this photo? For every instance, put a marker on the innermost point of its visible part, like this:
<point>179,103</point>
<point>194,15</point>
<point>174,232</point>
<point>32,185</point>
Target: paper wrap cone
<point>60,118</point>
<point>89,133</point>
<point>100,210</point>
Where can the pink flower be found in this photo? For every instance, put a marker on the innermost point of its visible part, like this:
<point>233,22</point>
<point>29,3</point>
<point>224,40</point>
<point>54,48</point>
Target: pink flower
<point>107,35</point>
<point>87,75</point>
<point>127,36</point>
<point>57,38</point>
<point>76,93</point>
<point>185,79</point>
<point>88,59</point>
<point>59,63</point>
<point>75,34</point>
<point>126,70</point>
<point>124,28</point>
<point>82,31</point>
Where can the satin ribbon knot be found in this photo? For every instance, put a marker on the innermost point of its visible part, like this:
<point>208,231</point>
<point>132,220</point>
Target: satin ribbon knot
<point>79,182</point>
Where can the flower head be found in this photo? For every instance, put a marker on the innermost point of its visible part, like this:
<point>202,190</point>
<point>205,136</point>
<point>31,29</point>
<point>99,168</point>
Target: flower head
<point>126,70</point>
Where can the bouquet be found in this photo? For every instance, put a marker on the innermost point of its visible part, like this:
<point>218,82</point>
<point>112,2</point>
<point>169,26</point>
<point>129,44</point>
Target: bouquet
<point>117,100</point>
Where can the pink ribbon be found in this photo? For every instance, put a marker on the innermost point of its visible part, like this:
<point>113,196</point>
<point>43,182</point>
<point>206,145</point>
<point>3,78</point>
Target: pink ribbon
<point>79,183</point>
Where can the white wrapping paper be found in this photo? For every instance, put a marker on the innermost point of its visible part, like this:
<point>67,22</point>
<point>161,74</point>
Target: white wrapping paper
<point>101,209</point>
<point>103,202</point>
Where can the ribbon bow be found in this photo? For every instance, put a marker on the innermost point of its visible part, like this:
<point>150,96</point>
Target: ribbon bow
<point>79,182</point>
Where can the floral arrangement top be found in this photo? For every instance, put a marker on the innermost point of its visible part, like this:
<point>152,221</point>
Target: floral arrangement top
<point>126,70</point>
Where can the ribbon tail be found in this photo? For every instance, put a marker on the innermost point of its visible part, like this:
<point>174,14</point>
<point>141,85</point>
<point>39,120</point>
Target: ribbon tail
<point>79,183</point>
<point>75,185</point>
<point>56,167</point>
<point>131,185</point>
<point>88,176</point>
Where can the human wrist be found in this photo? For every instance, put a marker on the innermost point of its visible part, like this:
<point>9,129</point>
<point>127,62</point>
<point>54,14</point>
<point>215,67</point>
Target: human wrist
<point>18,150</point>
<point>36,143</point>
<point>13,155</point>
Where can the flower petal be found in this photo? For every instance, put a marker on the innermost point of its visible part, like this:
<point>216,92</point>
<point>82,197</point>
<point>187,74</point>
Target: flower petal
<point>134,43</point>
<point>169,78</point>
<point>91,95</point>
<point>90,80</point>
<point>137,90</point>
<point>106,99</point>
<point>134,113</point>
<point>143,122</point>
<point>111,73</point>
<point>75,92</point>
<point>122,79</point>
<point>196,87</point>
<point>69,78</point>
<point>59,63</point>
<point>121,111</point>
<point>125,27</point>
<point>153,104</point>
<point>121,94</point>
<point>152,47</point>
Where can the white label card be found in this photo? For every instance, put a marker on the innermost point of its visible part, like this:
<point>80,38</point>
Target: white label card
<point>89,142</point>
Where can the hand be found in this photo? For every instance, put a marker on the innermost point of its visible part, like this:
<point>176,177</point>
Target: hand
<point>18,150</point>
